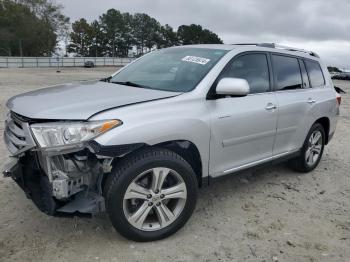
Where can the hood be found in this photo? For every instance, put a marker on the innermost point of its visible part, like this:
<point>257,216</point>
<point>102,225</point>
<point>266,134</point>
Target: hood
<point>79,101</point>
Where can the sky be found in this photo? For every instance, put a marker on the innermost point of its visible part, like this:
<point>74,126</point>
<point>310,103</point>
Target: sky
<point>322,26</point>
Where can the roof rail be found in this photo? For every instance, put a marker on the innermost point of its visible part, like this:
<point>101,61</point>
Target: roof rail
<point>277,46</point>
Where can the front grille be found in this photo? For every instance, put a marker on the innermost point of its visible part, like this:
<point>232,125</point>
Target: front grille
<point>17,135</point>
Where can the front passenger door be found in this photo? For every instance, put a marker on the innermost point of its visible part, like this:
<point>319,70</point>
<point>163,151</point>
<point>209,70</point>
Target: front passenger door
<point>243,128</point>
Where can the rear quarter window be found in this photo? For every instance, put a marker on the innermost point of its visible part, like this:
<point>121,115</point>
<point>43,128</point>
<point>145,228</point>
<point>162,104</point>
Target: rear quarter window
<point>315,73</point>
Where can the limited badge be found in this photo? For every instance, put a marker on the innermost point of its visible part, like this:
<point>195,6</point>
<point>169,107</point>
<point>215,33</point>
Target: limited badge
<point>196,59</point>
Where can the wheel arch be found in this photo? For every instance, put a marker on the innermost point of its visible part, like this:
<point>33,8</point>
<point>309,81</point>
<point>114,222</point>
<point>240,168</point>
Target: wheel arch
<point>188,151</point>
<point>185,148</point>
<point>325,122</point>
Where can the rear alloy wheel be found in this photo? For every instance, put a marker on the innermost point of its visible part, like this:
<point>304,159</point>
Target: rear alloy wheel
<point>315,146</point>
<point>151,194</point>
<point>312,150</point>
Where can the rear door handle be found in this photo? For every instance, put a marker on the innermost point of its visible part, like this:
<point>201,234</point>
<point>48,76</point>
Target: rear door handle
<point>270,106</point>
<point>311,101</point>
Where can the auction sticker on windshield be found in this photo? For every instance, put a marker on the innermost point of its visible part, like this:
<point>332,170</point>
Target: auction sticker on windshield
<point>196,59</point>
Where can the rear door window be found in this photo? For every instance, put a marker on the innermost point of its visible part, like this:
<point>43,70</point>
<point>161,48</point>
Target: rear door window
<point>315,73</point>
<point>287,72</point>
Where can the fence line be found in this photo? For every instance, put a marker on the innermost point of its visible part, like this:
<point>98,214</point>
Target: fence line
<point>16,62</point>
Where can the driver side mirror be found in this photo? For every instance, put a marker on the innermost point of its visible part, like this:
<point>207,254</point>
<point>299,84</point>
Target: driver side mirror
<point>232,87</point>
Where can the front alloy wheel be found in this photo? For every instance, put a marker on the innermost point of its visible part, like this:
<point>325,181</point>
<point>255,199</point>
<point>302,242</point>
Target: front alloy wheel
<point>150,194</point>
<point>155,199</point>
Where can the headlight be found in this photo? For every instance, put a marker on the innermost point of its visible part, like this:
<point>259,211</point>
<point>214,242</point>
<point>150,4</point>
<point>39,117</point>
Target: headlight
<point>58,134</point>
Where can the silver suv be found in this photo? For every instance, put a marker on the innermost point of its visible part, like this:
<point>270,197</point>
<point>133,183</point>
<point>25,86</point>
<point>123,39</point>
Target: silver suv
<point>140,143</point>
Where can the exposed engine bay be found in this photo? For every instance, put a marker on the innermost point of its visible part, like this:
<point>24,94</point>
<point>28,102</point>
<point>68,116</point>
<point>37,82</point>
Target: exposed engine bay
<point>65,183</point>
<point>72,173</point>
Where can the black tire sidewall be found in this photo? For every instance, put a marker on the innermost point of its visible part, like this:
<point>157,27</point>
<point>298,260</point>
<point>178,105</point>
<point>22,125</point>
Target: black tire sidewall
<point>124,176</point>
<point>315,127</point>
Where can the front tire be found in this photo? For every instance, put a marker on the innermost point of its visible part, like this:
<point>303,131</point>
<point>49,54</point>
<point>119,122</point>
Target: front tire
<point>151,194</point>
<point>312,150</point>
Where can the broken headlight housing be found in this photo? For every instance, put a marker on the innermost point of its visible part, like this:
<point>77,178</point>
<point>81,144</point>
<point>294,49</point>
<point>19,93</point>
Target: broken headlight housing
<point>68,134</point>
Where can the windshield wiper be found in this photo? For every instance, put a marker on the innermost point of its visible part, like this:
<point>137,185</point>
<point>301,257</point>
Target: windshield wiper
<point>128,83</point>
<point>107,79</point>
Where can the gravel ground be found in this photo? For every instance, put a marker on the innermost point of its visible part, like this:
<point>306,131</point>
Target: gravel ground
<point>272,214</point>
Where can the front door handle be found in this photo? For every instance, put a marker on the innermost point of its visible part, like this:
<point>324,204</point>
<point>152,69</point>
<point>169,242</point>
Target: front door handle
<point>311,101</point>
<point>270,106</point>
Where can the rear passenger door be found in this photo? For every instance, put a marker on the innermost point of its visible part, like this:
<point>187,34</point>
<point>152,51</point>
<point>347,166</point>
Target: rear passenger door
<point>296,103</point>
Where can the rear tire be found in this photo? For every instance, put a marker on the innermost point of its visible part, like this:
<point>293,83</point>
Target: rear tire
<point>312,150</point>
<point>141,184</point>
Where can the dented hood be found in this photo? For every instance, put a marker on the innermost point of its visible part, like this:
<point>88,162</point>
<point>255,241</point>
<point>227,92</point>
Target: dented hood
<point>79,101</point>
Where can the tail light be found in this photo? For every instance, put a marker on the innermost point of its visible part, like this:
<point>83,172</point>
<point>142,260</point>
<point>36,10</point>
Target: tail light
<point>339,99</point>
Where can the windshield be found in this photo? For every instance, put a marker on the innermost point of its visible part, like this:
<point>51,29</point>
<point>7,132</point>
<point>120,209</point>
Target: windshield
<point>173,69</point>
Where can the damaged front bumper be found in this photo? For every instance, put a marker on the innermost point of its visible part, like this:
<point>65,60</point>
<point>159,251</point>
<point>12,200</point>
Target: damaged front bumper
<point>10,167</point>
<point>59,180</point>
<point>67,193</point>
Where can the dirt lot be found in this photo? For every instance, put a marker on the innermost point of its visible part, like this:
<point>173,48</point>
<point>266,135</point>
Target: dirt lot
<point>273,214</point>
